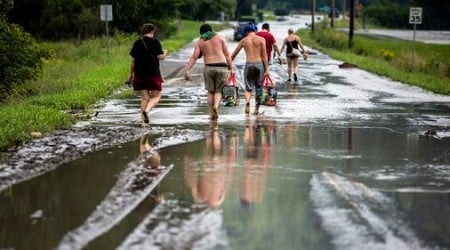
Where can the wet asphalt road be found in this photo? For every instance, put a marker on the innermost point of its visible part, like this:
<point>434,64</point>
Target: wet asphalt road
<point>340,163</point>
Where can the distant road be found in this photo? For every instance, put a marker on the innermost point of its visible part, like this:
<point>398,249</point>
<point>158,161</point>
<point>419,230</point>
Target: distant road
<point>426,36</point>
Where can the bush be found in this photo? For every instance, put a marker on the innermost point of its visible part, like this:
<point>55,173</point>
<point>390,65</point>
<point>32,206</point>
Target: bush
<point>388,14</point>
<point>281,12</point>
<point>328,38</point>
<point>20,57</point>
<point>386,54</point>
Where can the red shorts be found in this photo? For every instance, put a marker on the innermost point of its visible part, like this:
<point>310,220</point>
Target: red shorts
<point>147,83</point>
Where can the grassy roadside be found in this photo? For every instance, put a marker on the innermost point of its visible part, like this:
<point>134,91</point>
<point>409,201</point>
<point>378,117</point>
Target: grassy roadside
<point>428,68</point>
<point>73,80</point>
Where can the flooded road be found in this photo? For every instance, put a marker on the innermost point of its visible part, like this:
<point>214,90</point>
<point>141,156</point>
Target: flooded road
<point>342,162</point>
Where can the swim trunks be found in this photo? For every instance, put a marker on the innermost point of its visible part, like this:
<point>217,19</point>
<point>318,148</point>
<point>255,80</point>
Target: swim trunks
<point>215,76</point>
<point>253,75</point>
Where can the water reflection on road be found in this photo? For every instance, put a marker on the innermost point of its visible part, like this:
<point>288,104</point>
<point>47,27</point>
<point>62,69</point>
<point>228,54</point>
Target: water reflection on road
<point>208,177</point>
<point>312,186</point>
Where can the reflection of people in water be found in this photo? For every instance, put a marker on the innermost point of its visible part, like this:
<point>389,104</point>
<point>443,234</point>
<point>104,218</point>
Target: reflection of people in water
<point>258,156</point>
<point>148,165</point>
<point>149,155</point>
<point>291,135</point>
<point>351,159</point>
<point>208,178</point>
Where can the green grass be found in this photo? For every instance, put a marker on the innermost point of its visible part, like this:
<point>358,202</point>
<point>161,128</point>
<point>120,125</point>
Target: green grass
<point>419,64</point>
<point>73,79</point>
<point>18,121</point>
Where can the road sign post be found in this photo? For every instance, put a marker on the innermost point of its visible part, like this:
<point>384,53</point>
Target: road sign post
<point>106,16</point>
<point>415,17</point>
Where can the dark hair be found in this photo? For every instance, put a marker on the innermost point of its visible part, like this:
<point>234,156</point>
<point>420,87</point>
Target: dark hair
<point>205,28</point>
<point>265,26</point>
<point>147,28</point>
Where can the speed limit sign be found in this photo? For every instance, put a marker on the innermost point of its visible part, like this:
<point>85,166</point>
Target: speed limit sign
<point>415,15</point>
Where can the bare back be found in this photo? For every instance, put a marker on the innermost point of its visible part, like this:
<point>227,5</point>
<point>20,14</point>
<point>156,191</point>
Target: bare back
<point>255,48</point>
<point>214,50</point>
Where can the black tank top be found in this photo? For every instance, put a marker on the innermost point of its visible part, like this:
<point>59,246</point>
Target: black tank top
<point>291,44</point>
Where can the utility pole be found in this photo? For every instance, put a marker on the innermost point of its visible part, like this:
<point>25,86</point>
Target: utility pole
<point>313,10</point>
<point>332,14</point>
<point>352,23</point>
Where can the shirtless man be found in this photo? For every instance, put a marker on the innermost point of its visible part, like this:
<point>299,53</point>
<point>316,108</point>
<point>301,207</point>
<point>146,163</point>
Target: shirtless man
<point>256,64</point>
<point>218,66</point>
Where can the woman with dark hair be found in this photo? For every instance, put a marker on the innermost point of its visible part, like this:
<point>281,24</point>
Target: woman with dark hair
<point>290,42</point>
<point>145,73</point>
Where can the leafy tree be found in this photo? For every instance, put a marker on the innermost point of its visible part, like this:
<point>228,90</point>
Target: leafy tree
<point>435,14</point>
<point>88,23</point>
<point>20,55</point>
<point>388,14</point>
<point>130,15</point>
<point>58,18</point>
<point>27,13</point>
<point>244,7</point>
<point>210,9</point>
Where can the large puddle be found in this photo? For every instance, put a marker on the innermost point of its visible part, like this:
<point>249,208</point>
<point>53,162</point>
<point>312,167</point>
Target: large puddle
<point>263,185</point>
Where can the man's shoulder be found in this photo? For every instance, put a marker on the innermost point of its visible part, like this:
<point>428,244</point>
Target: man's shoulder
<point>260,38</point>
<point>218,37</point>
<point>264,33</point>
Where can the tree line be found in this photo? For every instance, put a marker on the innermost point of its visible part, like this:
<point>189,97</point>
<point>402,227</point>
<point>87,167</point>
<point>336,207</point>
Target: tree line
<point>24,21</point>
<point>386,13</point>
<point>55,19</point>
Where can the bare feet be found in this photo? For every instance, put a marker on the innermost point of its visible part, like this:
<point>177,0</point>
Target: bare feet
<point>214,115</point>
<point>247,108</point>
<point>256,110</point>
<point>214,126</point>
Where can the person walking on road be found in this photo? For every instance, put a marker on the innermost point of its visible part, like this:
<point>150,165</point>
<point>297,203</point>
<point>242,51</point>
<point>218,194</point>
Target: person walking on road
<point>271,43</point>
<point>218,66</point>
<point>290,42</point>
<point>145,71</point>
<point>256,65</point>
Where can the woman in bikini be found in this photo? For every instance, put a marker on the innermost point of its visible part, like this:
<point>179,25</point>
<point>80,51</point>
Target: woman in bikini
<point>292,41</point>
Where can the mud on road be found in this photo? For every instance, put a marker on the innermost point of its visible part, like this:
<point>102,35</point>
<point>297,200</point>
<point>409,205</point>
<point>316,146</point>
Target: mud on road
<point>45,154</point>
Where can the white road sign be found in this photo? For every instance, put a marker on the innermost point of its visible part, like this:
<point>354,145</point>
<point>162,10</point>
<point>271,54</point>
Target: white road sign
<point>106,12</point>
<point>415,15</point>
